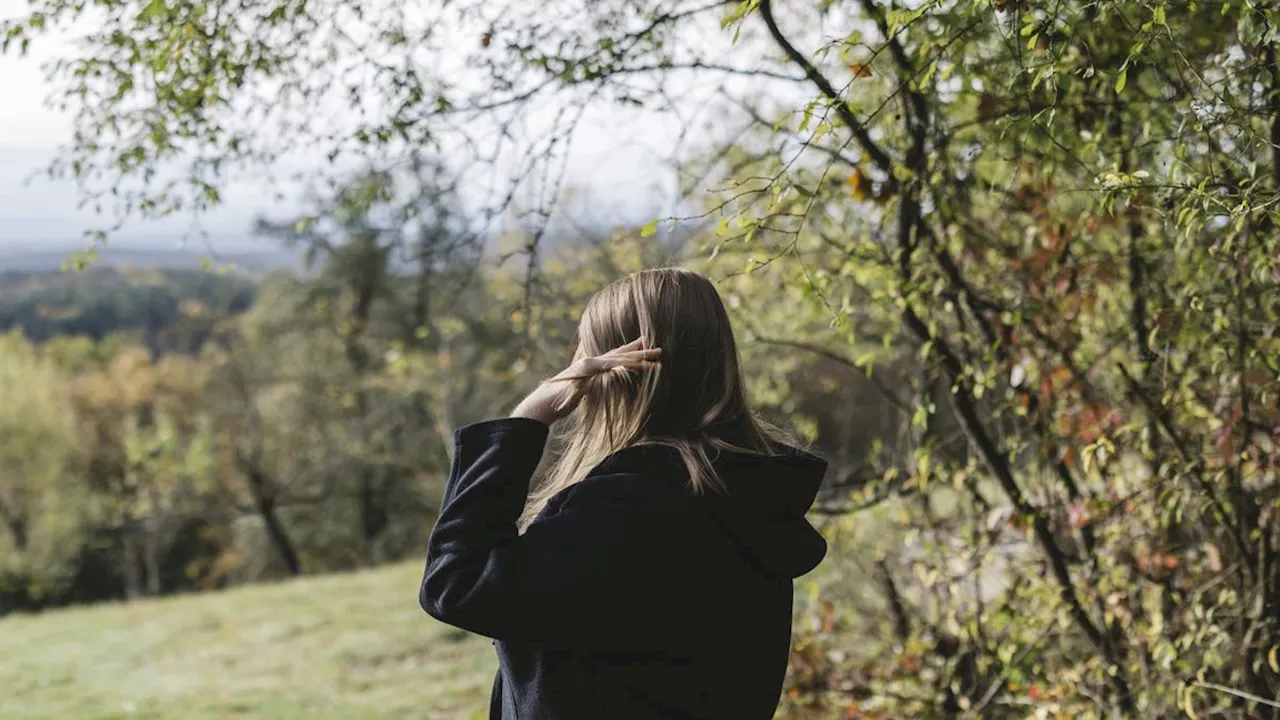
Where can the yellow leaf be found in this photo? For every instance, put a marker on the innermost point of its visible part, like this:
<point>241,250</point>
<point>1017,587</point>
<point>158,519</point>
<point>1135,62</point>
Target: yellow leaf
<point>858,185</point>
<point>1272,660</point>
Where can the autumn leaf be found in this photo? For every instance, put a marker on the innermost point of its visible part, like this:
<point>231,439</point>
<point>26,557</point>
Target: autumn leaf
<point>1226,442</point>
<point>858,185</point>
<point>828,617</point>
<point>1060,377</point>
<point>1069,456</point>
<point>1258,377</point>
<point>859,70</point>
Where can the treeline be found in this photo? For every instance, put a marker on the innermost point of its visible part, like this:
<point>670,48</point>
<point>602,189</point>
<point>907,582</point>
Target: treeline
<point>311,432</point>
<point>305,434</point>
<point>167,310</point>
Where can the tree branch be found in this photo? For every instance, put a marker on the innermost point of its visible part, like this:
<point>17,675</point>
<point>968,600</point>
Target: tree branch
<point>837,357</point>
<point>859,130</point>
<point>999,466</point>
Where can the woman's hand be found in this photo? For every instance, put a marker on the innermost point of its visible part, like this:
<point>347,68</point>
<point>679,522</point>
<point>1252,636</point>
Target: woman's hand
<point>557,397</point>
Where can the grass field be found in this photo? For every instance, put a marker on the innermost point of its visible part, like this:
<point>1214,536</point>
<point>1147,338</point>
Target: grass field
<point>349,646</point>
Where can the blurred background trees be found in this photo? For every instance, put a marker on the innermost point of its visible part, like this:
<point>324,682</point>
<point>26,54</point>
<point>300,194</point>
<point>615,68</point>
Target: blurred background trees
<point>1013,266</point>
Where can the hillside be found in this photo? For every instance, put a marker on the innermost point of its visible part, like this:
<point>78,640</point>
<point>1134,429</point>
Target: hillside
<point>33,257</point>
<point>346,647</point>
<point>167,309</point>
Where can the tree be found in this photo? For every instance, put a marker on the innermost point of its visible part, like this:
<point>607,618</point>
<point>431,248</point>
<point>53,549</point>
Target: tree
<point>44,512</point>
<point>168,310</point>
<point>121,408</point>
<point>164,472</point>
<point>1064,212</point>
<point>393,256</point>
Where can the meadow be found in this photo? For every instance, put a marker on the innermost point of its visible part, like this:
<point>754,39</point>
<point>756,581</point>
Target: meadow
<point>351,646</point>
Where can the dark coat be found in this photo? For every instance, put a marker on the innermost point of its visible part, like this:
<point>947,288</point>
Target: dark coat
<point>629,597</point>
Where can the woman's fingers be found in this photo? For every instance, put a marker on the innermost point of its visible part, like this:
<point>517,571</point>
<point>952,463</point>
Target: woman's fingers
<point>646,354</point>
<point>633,359</point>
<point>630,356</point>
<point>634,356</point>
<point>630,359</point>
<point>636,344</point>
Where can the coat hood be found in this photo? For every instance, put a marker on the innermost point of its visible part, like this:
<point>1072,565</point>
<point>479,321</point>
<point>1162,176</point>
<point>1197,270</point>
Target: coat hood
<point>763,508</point>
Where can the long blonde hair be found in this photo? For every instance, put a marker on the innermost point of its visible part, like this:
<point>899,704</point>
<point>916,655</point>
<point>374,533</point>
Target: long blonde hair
<point>692,401</point>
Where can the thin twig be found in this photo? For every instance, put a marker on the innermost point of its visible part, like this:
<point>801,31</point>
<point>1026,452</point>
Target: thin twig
<point>1237,693</point>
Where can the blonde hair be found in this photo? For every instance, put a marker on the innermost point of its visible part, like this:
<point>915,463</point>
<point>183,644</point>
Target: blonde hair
<point>690,401</point>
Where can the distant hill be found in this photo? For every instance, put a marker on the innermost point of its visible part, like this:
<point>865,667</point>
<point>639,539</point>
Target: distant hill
<point>47,258</point>
<point>168,309</point>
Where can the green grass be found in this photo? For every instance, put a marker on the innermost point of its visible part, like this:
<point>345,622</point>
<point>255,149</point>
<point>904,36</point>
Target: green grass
<point>349,646</point>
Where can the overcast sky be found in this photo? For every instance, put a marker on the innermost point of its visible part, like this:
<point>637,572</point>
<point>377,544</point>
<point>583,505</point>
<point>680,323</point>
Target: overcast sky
<point>617,158</point>
<point>619,165</point>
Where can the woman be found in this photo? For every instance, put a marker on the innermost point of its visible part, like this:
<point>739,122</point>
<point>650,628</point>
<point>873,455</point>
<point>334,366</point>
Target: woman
<point>654,575</point>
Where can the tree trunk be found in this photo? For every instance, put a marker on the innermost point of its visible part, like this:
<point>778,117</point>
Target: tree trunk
<point>151,551</point>
<point>132,572</point>
<point>261,487</point>
<point>373,514</point>
<point>18,528</point>
<point>279,536</point>
<point>17,523</point>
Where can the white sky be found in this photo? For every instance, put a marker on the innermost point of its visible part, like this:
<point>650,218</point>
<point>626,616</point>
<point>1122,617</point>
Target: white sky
<point>617,164</point>
<point>618,161</point>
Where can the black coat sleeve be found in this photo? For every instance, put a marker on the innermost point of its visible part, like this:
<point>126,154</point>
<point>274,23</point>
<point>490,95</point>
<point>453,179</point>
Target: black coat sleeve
<point>591,574</point>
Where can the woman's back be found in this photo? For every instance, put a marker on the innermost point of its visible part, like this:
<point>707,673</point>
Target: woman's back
<point>653,579</point>
<point>630,596</point>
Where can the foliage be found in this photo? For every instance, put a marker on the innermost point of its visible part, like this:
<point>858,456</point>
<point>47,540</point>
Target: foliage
<point>1044,233</point>
<point>1077,233</point>
<point>144,441</point>
<point>168,310</point>
<point>42,509</point>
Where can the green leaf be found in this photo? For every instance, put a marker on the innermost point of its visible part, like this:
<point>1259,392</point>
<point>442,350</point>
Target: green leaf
<point>153,9</point>
<point>649,229</point>
<point>1121,79</point>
